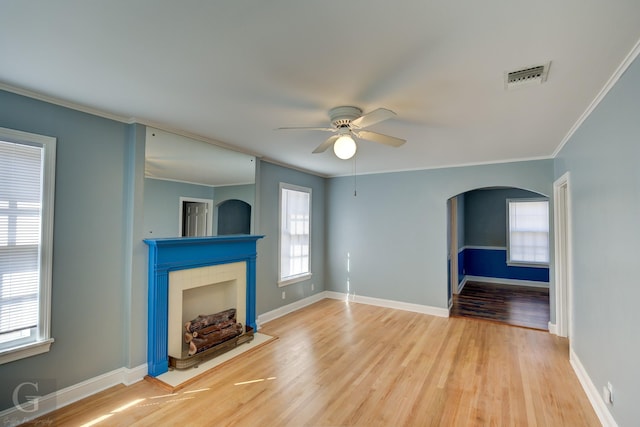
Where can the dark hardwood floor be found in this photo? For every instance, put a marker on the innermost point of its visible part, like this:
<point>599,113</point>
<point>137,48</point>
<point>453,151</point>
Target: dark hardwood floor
<point>514,305</point>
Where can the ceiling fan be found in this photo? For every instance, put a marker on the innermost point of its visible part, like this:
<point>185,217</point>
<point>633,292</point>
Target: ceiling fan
<point>349,122</point>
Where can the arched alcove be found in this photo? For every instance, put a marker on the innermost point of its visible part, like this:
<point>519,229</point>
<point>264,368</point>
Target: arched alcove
<point>234,217</point>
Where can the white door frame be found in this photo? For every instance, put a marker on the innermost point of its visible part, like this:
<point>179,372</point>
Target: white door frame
<point>563,256</point>
<point>453,244</point>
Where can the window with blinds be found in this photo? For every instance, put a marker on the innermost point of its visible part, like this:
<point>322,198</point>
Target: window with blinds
<point>26,204</point>
<point>295,225</point>
<point>528,231</point>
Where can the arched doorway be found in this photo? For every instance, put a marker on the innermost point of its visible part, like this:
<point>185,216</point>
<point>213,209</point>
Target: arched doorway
<point>499,256</point>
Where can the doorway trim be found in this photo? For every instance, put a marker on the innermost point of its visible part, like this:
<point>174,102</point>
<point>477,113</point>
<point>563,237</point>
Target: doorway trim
<point>563,256</point>
<point>453,244</point>
<point>209,203</point>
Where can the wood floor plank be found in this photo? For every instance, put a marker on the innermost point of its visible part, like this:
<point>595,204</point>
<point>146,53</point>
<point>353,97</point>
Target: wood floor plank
<point>359,365</point>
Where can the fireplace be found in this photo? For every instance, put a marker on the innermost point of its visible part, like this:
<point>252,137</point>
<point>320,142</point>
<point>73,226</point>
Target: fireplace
<point>222,267</point>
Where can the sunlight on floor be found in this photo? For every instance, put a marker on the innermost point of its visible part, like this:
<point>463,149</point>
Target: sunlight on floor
<point>97,420</point>
<point>255,381</point>
<point>137,403</point>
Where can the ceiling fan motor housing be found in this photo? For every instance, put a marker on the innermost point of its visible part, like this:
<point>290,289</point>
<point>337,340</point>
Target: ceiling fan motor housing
<point>343,116</point>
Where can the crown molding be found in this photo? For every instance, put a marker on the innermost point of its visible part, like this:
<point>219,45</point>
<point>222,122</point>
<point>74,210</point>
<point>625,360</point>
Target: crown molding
<point>633,54</point>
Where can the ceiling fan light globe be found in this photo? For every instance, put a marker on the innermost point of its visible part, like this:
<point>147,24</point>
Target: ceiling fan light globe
<point>344,147</point>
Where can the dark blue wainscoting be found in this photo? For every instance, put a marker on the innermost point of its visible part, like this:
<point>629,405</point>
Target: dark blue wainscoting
<point>491,262</point>
<point>461,268</point>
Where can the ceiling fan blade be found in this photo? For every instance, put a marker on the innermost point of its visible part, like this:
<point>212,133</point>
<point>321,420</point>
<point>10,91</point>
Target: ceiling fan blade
<point>378,137</point>
<point>307,128</point>
<point>372,118</point>
<point>328,143</point>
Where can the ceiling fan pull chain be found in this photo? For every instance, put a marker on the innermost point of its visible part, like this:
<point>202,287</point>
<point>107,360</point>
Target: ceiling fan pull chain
<point>355,179</point>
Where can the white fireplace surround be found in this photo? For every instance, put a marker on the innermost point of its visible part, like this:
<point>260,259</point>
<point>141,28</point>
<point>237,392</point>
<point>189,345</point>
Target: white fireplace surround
<point>203,290</point>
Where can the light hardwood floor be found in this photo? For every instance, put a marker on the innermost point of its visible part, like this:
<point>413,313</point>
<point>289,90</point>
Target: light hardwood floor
<point>338,364</point>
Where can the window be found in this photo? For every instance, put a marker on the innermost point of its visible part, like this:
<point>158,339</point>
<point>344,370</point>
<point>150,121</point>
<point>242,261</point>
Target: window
<point>27,174</point>
<point>528,231</point>
<point>295,226</point>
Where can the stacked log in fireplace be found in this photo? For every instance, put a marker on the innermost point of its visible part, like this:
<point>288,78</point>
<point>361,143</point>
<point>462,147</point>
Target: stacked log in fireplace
<point>206,331</point>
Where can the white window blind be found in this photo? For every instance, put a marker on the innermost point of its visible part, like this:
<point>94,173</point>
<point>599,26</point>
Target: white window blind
<point>27,175</point>
<point>295,220</point>
<point>20,231</point>
<point>529,231</point>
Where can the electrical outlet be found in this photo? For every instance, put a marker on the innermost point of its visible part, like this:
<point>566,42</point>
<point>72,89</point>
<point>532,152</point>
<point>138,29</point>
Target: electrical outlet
<point>312,286</point>
<point>283,295</point>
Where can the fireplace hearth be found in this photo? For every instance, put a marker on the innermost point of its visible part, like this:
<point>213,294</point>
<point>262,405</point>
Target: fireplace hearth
<point>177,265</point>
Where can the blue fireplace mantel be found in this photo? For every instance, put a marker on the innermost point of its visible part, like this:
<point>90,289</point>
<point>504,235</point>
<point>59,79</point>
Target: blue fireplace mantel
<point>181,253</point>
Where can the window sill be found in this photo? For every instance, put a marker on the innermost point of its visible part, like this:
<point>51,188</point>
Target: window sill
<point>24,351</point>
<point>294,279</point>
<point>527,264</point>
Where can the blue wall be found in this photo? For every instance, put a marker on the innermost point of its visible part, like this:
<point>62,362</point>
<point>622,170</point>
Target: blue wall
<point>604,187</point>
<point>492,263</point>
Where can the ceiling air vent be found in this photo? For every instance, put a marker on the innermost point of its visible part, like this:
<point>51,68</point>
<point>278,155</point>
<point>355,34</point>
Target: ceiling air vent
<point>526,77</point>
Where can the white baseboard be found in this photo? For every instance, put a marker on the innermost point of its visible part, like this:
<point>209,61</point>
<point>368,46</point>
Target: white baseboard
<point>133,375</point>
<point>514,282</point>
<point>461,284</point>
<point>599,406</point>
<point>553,328</point>
<point>289,308</point>
<point>50,402</point>
<point>398,305</point>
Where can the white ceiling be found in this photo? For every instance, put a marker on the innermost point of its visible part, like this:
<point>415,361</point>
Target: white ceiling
<point>233,71</point>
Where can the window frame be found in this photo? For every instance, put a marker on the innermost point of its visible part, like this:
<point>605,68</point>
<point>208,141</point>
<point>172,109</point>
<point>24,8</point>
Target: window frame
<point>42,341</point>
<point>518,263</point>
<point>291,279</point>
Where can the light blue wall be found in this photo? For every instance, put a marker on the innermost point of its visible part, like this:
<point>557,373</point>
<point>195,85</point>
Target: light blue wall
<point>246,193</point>
<point>395,231</point>
<point>90,272</point>
<point>602,158</point>
<point>486,215</point>
<point>268,294</point>
<point>162,201</point>
<point>161,205</point>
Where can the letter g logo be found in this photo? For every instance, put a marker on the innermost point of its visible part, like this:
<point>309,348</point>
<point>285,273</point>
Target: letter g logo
<point>31,399</point>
